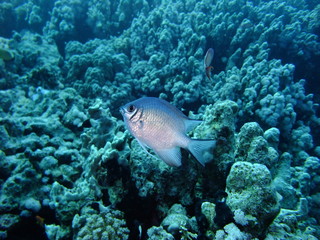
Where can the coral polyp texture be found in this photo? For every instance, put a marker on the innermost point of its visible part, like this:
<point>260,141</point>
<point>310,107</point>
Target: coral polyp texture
<point>69,168</point>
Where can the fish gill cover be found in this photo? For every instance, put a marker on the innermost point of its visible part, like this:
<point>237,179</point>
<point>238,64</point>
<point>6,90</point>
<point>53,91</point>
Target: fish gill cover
<point>70,170</point>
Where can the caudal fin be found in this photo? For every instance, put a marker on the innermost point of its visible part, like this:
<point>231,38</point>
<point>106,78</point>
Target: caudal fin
<point>200,149</point>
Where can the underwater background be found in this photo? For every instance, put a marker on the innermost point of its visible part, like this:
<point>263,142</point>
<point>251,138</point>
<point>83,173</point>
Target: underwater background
<point>69,169</point>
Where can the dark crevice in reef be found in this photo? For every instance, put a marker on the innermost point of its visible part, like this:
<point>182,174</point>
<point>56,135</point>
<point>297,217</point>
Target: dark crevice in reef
<point>201,219</point>
<point>139,212</point>
<point>32,228</point>
<point>27,229</point>
<point>224,214</point>
<point>48,215</point>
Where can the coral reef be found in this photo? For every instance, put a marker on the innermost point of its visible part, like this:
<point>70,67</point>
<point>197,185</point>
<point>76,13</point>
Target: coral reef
<point>70,170</point>
<point>177,222</point>
<point>108,224</point>
<point>249,189</point>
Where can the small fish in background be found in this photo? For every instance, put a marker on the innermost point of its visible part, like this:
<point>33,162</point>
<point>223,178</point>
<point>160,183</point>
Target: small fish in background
<point>40,220</point>
<point>160,126</point>
<point>207,62</point>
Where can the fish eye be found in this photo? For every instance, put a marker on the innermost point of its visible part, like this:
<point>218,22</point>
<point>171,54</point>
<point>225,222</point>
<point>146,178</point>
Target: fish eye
<point>131,108</point>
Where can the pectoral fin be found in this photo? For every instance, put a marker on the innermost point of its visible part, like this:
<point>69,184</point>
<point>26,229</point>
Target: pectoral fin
<point>144,147</point>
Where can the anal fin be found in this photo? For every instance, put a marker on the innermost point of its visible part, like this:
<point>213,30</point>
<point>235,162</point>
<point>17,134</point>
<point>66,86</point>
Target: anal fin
<point>171,156</point>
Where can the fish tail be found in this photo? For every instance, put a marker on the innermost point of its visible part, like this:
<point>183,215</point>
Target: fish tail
<point>208,72</point>
<point>200,149</point>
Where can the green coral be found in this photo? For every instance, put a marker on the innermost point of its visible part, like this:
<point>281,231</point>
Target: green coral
<point>108,225</point>
<point>6,53</point>
<point>177,221</point>
<point>156,233</point>
<point>249,189</point>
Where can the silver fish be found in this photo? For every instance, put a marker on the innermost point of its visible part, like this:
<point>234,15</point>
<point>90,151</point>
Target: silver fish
<point>207,62</point>
<point>158,125</point>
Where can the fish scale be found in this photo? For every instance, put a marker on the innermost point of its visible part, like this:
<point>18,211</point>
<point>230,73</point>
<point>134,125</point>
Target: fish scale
<point>160,126</point>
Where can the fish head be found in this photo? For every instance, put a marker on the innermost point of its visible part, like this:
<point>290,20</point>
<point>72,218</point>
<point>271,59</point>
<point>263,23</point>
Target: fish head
<point>131,113</point>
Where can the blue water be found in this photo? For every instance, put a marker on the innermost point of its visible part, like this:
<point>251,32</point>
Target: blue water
<point>69,169</point>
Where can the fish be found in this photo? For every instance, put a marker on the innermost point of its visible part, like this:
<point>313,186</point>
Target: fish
<point>207,62</point>
<point>40,220</point>
<point>161,127</point>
